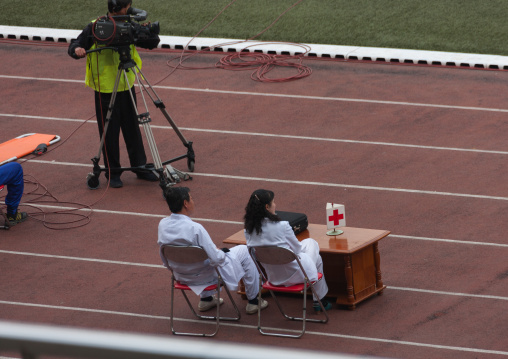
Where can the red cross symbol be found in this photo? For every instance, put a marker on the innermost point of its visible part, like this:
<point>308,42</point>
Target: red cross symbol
<point>336,217</point>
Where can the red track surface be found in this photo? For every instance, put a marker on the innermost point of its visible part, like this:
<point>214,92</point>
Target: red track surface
<point>444,264</point>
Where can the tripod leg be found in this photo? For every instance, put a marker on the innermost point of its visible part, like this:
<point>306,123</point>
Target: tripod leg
<point>92,179</point>
<point>144,120</point>
<point>167,175</point>
<point>191,158</point>
<point>160,105</point>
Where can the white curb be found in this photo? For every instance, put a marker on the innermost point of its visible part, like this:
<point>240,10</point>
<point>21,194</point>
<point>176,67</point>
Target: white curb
<point>312,50</point>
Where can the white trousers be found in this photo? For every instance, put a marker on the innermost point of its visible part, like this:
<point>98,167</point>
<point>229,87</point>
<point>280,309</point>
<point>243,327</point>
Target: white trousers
<point>311,248</point>
<point>244,268</point>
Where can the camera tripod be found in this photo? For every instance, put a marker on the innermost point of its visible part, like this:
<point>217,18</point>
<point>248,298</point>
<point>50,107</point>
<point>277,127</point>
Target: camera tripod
<point>167,174</point>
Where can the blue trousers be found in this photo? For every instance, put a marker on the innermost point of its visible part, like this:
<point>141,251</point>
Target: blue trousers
<point>11,175</point>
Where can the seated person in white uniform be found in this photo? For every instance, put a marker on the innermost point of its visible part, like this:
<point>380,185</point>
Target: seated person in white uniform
<point>233,264</point>
<point>263,227</point>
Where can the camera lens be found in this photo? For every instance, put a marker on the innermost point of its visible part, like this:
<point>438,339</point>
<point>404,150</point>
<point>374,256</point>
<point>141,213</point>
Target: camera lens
<point>154,28</point>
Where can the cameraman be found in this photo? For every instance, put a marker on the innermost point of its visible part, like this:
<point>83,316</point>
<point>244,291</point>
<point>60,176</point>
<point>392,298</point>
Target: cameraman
<point>102,82</point>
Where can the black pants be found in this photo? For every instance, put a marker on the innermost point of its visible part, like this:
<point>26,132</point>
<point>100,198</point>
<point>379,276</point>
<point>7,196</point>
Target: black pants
<point>123,117</point>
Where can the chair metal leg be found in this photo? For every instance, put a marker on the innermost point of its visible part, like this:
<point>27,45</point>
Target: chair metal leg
<point>217,317</point>
<point>278,334</point>
<point>237,311</point>
<point>314,295</point>
<point>303,319</point>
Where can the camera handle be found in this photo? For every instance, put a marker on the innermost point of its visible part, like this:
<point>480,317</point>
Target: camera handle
<point>167,174</point>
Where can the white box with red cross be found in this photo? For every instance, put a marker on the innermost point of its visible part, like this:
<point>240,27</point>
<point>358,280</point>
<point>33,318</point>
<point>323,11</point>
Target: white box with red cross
<point>335,215</point>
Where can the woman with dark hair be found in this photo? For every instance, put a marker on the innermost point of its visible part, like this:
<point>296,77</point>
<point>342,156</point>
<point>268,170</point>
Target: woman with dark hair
<point>263,227</point>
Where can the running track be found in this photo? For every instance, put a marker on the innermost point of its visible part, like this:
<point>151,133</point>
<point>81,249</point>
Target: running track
<point>420,151</point>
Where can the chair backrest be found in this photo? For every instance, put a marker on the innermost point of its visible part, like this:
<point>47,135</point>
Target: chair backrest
<point>273,255</point>
<point>182,254</point>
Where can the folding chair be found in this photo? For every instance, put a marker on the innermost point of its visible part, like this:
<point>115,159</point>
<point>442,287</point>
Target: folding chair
<point>278,256</point>
<point>187,255</point>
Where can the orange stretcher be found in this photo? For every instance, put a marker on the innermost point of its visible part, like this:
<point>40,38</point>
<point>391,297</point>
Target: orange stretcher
<point>26,144</point>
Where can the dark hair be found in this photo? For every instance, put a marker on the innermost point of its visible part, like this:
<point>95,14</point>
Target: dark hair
<point>175,196</point>
<point>117,5</point>
<point>256,211</point>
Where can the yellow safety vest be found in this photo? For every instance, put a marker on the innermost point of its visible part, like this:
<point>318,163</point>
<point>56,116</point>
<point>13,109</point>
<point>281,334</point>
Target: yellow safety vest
<point>102,68</point>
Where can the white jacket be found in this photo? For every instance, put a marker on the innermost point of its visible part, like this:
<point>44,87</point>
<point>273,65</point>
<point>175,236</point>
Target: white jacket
<point>179,229</point>
<point>281,234</point>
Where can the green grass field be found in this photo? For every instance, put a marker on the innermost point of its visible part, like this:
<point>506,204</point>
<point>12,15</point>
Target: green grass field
<point>440,25</point>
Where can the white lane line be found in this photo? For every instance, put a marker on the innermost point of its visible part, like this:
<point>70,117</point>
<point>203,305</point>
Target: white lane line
<point>303,97</point>
<point>147,265</point>
<point>52,256</point>
<point>454,241</point>
<point>324,139</point>
<point>294,137</point>
<point>252,327</point>
<point>39,79</point>
<point>481,296</point>
<point>312,183</point>
<point>343,185</point>
<point>139,214</point>
<point>44,118</point>
<point>210,220</point>
<point>340,99</point>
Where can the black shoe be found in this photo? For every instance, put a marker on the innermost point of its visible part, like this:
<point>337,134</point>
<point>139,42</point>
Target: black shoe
<point>17,217</point>
<point>147,176</point>
<point>326,304</point>
<point>115,182</point>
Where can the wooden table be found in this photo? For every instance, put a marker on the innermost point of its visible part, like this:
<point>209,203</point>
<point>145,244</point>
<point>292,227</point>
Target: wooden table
<point>351,261</point>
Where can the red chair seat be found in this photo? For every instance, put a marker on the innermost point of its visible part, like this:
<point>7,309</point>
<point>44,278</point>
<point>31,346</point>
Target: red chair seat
<point>181,286</point>
<point>289,289</point>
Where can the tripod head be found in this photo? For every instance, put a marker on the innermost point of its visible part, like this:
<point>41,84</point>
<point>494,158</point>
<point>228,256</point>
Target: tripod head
<point>125,56</point>
<point>124,51</point>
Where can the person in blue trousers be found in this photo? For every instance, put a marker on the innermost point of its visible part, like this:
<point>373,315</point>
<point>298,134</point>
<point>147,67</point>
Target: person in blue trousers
<point>11,176</point>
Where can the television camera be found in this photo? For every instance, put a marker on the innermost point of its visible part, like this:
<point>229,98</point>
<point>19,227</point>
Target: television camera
<point>123,30</point>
